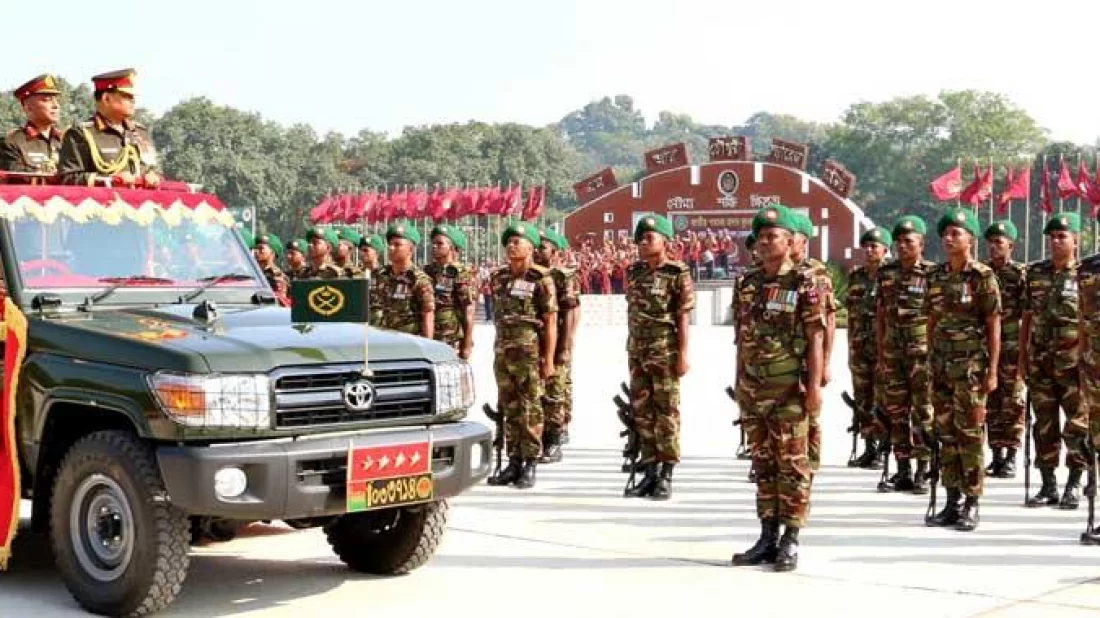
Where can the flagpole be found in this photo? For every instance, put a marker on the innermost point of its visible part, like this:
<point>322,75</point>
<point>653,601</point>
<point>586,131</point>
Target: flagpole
<point>1027,216</point>
<point>990,192</point>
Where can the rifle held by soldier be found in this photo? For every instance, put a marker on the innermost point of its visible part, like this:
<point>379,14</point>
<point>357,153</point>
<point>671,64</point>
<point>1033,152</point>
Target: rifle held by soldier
<point>498,439</point>
<point>742,449</point>
<point>1027,447</point>
<point>853,429</point>
<point>632,448</point>
<point>931,439</point>
<point>1090,536</point>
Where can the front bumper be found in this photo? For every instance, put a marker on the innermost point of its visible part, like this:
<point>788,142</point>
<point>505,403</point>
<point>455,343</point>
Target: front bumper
<point>296,478</point>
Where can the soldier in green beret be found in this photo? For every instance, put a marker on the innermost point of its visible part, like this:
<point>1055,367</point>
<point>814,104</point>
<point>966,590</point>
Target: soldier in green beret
<point>320,264</point>
<point>557,403</point>
<point>782,330</point>
<point>1049,359</point>
<point>660,297</point>
<point>1005,410</point>
<point>401,293</point>
<point>901,330</point>
<point>863,346</point>
<point>454,290</point>
<point>371,249</point>
<point>804,230</point>
<point>735,311</point>
<point>348,243</point>
<point>963,306</point>
<point>264,252</point>
<point>525,304</point>
<point>1088,282</point>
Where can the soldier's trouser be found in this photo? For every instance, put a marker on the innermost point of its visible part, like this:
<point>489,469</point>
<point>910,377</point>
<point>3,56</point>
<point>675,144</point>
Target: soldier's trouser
<point>1090,394</point>
<point>959,401</point>
<point>1048,395</point>
<point>1005,409</point>
<point>908,404</point>
<point>519,396</point>
<point>863,392</point>
<point>655,393</point>
<point>555,402</point>
<point>778,433</point>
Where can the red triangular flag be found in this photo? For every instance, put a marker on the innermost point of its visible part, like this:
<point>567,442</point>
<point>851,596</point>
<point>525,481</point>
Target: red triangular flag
<point>1066,186</point>
<point>948,186</point>
<point>981,189</point>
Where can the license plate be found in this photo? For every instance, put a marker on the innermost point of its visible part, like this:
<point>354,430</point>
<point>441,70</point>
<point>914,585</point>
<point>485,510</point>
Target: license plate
<point>386,476</point>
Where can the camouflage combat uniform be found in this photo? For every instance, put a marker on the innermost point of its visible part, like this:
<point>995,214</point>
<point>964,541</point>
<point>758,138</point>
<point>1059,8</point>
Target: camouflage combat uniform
<point>824,284</point>
<point>276,278</point>
<point>960,303</point>
<point>351,271</point>
<point>1005,411</point>
<point>907,384</point>
<point>1088,277</point>
<point>558,401</point>
<point>399,300</point>
<point>454,293</point>
<point>519,304</point>
<point>655,300</point>
<point>862,350</point>
<point>775,313</point>
<point>327,270</point>
<point>1051,298</point>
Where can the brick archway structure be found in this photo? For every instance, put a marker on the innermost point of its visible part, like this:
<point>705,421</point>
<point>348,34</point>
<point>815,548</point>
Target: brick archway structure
<point>720,195</point>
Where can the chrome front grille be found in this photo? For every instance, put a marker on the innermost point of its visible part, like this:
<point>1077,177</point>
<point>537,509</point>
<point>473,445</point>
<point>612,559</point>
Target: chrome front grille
<point>313,395</point>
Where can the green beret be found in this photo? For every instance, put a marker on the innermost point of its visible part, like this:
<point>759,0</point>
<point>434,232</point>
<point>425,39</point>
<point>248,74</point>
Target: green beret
<point>457,238</point>
<point>774,216</point>
<point>328,235</point>
<point>878,235</point>
<point>653,223</point>
<point>803,224</point>
<point>750,241</point>
<point>1063,222</point>
<point>525,230</point>
<point>1004,228</point>
<point>276,244</point>
<point>349,234</point>
<point>403,229</point>
<point>555,239</point>
<point>374,241</point>
<point>298,244</point>
<point>959,217</point>
<point>910,224</point>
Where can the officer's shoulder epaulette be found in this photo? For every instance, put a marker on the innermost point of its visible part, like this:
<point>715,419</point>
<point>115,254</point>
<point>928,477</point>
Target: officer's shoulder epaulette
<point>674,267</point>
<point>540,271</point>
<point>637,266</point>
<point>1038,266</point>
<point>928,263</point>
<point>980,267</point>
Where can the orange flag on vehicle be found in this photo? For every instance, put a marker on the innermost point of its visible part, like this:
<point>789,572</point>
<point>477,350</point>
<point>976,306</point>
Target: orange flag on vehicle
<point>14,332</point>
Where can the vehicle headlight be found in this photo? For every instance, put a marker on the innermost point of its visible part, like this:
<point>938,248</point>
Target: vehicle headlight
<point>454,386</point>
<point>214,400</point>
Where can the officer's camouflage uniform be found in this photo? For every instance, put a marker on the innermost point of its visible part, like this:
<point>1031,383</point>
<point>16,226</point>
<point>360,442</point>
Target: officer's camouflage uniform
<point>775,315</point>
<point>519,304</point>
<point>862,351</point>
<point>960,304</point>
<point>655,300</point>
<point>1005,414</point>
<point>907,383</point>
<point>96,148</point>
<point>1088,277</point>
<point>558,402</point>
<point>276,278</point>
<point>351,271</point>
<point>327,270</point>
<point>301,273</point>
<point>399,300</point>
<point>29,150</point>
<point>1051,297</point>
<point>454,293</point>
<point>824,284</point>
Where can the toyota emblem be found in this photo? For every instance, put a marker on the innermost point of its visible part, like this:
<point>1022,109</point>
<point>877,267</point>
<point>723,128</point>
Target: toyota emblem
<point>358,395</point>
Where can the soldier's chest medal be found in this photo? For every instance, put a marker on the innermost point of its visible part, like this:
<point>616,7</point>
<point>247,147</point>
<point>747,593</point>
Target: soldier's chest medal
<point>658,286</point>
<point>917,286</point>
<point>522,289</point>
<point>401,291</point>
<point>445,284</point>
<point>1069,288</point>
<point>779,301</point>
<point>966,294</point>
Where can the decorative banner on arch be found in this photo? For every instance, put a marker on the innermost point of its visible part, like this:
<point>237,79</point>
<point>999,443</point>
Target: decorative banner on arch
<point>46,203</point>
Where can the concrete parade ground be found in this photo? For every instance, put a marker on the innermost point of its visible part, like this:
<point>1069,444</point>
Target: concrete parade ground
<point>573,546</point>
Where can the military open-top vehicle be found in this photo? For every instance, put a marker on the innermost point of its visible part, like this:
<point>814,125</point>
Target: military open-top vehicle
<point>163,394</point>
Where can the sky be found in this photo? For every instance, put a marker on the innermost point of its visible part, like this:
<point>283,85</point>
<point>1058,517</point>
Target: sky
<point>352,65</point>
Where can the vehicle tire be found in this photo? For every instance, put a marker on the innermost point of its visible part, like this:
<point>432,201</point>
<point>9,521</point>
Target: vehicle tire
<point>391,541</point>
<point>120,546</point>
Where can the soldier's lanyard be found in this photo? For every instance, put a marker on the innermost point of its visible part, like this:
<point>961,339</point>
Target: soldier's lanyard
<point>124,157</point>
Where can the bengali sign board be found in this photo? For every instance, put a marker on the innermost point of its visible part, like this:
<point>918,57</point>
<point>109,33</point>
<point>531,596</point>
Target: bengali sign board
<point>594,186</point>
<point>666,157</point>
<point>729,148</point>
<point>838,178</point>
<point>790,154</point>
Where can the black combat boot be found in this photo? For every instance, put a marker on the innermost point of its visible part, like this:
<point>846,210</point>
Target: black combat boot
<point>1048,493</point>
<point>752,474</point>
<point>786,558</point>
<point>551,447</point>
<point>870,453</point>
<point>1091,537</point>
<point>1071,498</point>
<point>1008,470</point>
<point>663,490</point>
<point>526,478</point>
<point>509,474</point>
<point>968,516</point>
<point>920,478</point>
<point>903,480</point>
<point>564,436</point>
<point>648,483</point>
<point>765,548</point>
<point>996,466</point>
<point>950,513</point>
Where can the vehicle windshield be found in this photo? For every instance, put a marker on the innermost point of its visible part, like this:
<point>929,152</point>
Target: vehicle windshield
<point>69,255</point>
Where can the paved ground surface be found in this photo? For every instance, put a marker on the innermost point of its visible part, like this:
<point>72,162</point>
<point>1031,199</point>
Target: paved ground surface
<point>573,547</point>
